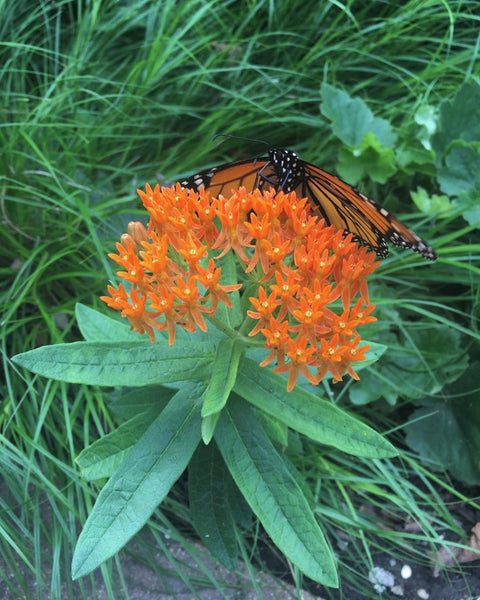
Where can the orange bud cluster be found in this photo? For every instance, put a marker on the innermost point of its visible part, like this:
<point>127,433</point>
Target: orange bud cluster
<point>302,268</point>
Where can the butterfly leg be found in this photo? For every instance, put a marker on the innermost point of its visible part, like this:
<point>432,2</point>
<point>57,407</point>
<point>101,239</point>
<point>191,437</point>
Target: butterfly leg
<point>262,178</point>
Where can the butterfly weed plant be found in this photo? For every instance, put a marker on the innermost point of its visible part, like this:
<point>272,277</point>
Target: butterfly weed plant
<point>248,302</point>
<point>99,95</point>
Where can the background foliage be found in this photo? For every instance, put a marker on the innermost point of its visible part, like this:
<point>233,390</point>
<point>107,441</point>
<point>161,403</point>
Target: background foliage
<point>99,97</point>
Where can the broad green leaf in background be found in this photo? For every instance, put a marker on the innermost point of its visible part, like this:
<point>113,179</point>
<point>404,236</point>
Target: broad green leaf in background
<point>124,363</point>
<point>426,116</point>
<point>468,204</point>
<point>412,368</point>
<point>368,140</point>
<point>446,434</point>
<point>352,119</point>
<point>461,171</point>
<point>273,493</point>
<point>459,119</point>
<point>460,177</point>
<point>375,351</point>
<point>369,159</point>
<point>434,204</point>
<point>139,485</point>
<point>457,147</point>
<point>319,419</point>
<point>414,159</point>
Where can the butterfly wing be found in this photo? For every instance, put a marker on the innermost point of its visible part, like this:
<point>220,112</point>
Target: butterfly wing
<point>345,207</point>
<point>349,209</point>
<point>222,180</point>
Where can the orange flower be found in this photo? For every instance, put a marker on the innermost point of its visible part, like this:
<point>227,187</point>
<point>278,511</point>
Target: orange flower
<point>134,308</point>
<point>233,234</point>
<point>210,279</point>
<point>188,295</point>
<point>293,272</point>
<point>300,357</point>
<point>286,290</point>
<point>277,337</point>
<point>192,251</point>
<point>265,306</point>
<point>163,301</point>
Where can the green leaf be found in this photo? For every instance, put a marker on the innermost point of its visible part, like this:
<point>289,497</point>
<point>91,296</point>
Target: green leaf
<point>208,427</point>
<point>276,430</point>
<point>372,386</point>
<point>426,116</point>
<point>413,159</point>
<point>103,457</point>
<point>461,172</point>
<point>352,119</point>
<point>368,140</point>
<point>459,119</point>
<point>372,355</point>
<point>126,405</point>
<point>273,493</point>
<point>242,513</point>
<point>369,159</point>
<point>222,379</point>
<point>124,364</point>
<point>143,480</point>
<point>231,316</point>
<point>468,204</point>
<point>317,418</point>
<point>434,204</point>
<point>208,491</point>
<point>457,420</point>
<point>98,327</point>
<point>413,367</point>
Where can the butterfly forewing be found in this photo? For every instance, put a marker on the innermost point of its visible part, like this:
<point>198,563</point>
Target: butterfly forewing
<point>222,180</point>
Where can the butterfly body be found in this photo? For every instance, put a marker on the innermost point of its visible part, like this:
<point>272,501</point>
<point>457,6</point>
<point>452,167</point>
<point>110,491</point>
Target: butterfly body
<point>337,202</point>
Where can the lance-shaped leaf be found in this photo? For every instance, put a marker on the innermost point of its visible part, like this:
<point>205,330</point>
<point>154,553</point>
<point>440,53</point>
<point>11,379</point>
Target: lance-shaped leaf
<point>319,419</point>
<point>208,489</point>
<point>124,364</point>
<point>224,373</point>
<point>103,457</point>
<point>142,481</point>
<point>98,327</point>
<point>272,492</point>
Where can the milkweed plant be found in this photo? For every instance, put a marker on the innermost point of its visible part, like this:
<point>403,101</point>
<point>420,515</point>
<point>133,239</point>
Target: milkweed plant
<point>248,302</point>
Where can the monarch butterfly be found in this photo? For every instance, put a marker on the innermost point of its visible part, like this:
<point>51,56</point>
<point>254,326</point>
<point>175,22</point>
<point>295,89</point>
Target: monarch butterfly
<point>337,202</point>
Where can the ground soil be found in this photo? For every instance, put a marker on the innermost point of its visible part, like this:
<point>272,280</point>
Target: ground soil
<point>143,584</point>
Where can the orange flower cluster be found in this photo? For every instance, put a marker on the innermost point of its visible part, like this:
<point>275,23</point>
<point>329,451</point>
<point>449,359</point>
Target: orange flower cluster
<point>302,267</point>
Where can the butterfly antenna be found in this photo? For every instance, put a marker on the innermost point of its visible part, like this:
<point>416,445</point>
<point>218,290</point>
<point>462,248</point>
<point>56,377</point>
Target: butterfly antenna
<point>228,136</point>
